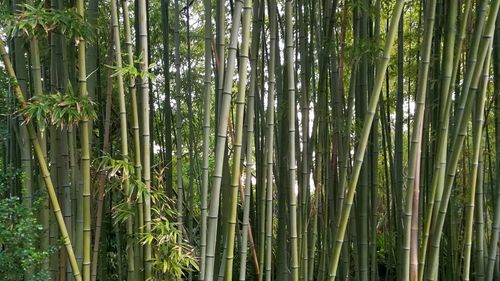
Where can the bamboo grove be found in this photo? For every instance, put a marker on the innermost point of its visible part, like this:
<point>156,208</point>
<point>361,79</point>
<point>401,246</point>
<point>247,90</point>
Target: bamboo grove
<point>250,140</point>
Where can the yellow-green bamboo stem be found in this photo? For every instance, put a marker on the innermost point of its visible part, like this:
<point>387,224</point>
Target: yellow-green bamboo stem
<point>292,164</point>
<point>85,152</point>
<point>144,83</point>
<point>476,150</point>
<point>123,137</point>
<point>213,213</point>
<point>238,140</point>
<point>138,260</point>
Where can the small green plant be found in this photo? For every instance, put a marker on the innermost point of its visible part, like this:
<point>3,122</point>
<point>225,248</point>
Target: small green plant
<point>19,236</point>
<point>129,71</point>
<point>171,260</point>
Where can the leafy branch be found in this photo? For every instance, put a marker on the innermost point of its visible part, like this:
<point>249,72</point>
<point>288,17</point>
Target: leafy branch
<point>129,71</point>
<point>57,109</point>
<point>35,20</point>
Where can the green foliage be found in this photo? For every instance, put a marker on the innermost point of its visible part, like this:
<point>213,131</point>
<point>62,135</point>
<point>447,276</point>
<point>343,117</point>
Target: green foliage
<point>171,260</point>
<point>58,109</point>
<point>130,71</point>
<point>19,236</point>
<point>117,171</point>
<point>35,20</point>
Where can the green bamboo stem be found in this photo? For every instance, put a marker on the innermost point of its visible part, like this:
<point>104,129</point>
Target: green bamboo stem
<point>479,222</point>
<point>304,184</point>
<point>360,152</point>
<point>476,142</point>
<point>138,251</point>
<point>123,137</point>
<point>238,138</point>
<point>292,165</point>
<point>270,138</point>
<point>492,246</point>
<point>85,153</point>
<point>178,117</point>
<point>144,84</point>
<point>55,258</point>
<point>213,213</point>
<point>23,140</point>
<point>91,57</point>
<point>219,55</point>
<point>246,232</point>
<point>191,135</point>
<point>102,177</point>
<point>19,64</point>
<point>206,134</point>
<point>42,163</point>
<point>262,184</point>
<point>495,226</point>
<point>360,27</point>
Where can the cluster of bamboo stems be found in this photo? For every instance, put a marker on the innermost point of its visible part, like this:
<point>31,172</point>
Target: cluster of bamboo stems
<point>311,167</point>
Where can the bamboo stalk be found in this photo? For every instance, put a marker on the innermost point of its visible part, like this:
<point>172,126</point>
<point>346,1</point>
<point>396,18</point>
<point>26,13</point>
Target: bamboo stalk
<point>238,138</point>
<point>124,140</point>
<point>206,134</point>
<point>212,218</point>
